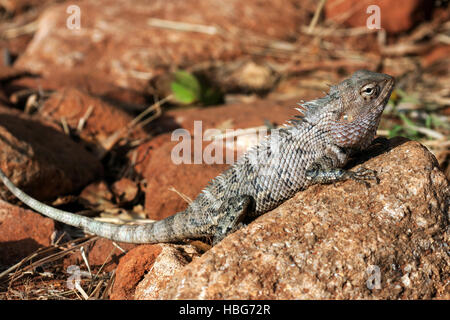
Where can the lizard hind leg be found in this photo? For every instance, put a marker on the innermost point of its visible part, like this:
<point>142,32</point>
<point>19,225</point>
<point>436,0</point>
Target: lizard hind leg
<point>232,214</point>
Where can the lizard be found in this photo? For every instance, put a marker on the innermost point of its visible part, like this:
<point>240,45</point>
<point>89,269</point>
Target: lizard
<point>312,148</point>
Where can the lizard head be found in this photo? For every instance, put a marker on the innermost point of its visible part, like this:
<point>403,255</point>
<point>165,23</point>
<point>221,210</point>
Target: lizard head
<point>360,101</point>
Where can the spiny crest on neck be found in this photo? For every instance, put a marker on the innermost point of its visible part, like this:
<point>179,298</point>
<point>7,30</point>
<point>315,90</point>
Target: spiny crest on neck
<point>311,111</point>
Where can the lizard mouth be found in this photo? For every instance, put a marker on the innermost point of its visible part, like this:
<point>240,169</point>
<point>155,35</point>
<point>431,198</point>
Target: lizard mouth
<point>385,94</point>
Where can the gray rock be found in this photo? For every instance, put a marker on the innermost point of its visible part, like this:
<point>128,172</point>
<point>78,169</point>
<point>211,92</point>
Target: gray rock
<point>345,241</point>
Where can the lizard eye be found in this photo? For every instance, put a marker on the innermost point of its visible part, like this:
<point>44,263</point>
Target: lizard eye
<point>369,91</point>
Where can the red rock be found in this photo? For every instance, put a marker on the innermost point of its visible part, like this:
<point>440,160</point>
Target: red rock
<point>396,16</point>
<point>151,266</point>
<point>22,232</point>
<point>8,73</point>
<point>18,15</point>
<point>20,6</point>
<point>97,195</point>
<point>14,47</point>
<point>41,160</point>
<point>119,43</point>
<point>163,177</point>
<point>189,179</point>
<point>103,120</point>
<point>231,116</point>
<point>140,157</point>
<point>126,190</point>
<point>131,270</point>
<point>85,81</point>
<point>435,55</point>
<point>170,260</point>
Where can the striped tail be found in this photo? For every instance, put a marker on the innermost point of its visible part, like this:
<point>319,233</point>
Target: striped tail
<point>161,231</point>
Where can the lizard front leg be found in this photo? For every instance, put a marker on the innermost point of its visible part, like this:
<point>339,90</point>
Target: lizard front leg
<point>232,212</point>
<point>322,172</point>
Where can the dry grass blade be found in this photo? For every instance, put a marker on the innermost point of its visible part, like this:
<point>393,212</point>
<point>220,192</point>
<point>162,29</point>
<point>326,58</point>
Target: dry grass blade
<point>238,133</point>
<point>138,123</point>
<point>20,31</point>
<point>85,260</point>
<point>402,49</point>
<point>443,144</point>
<point>316,16</point>
<point>109,285</point>
<point>347,14</point>
<point>445,39</point>
<point>428,132</point>
<point>36,286</point>
<point>84,118</point>
<point>133,125</point>
<point>215,30</point>
<point>104,263</point>
<point>329,65</point>
<point>182,195</point>
<point>332,32</point>
<point>47,256</point>
<point>184,26</point>
<point>95,293</point>
<point>65,126</point>
<point>118,247</point>
<point>81,291</point>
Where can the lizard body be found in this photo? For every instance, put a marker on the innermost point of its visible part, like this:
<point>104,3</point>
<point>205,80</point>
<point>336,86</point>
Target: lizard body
<point>312,148</point>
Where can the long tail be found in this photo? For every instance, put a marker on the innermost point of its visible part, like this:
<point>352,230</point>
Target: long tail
<point>166,230</point>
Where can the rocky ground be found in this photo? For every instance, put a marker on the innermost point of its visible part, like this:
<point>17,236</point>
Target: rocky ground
<point>86,117</point>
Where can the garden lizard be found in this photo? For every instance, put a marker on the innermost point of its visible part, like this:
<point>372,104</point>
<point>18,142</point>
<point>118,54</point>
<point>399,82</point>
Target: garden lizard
<point>311,148</point>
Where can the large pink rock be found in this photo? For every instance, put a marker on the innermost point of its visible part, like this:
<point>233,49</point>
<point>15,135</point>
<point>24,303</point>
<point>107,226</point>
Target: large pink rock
<point>342,241</point>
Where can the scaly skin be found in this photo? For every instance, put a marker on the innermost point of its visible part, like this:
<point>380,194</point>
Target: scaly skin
<point>313,148</point>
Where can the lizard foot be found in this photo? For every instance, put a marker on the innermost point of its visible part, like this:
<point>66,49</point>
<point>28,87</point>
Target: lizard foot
<point>363,174</point>
<point>233,212</point>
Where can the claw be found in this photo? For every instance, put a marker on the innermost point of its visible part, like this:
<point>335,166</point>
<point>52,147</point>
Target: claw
<point>363,174</point>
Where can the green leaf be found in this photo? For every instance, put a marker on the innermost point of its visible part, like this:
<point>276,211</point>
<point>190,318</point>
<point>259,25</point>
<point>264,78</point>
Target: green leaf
<point>405,97</point>
<point>406,121</point>
<point>428,121</point>
<point>182,94</point>
<point>185,87</point>
<point>395,130</point>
